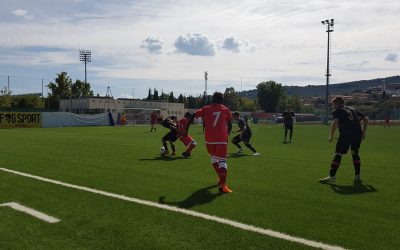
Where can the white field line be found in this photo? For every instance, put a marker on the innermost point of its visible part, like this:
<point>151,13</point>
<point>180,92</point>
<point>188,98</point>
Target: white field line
<point>30,211</point>
<point>232,223</point>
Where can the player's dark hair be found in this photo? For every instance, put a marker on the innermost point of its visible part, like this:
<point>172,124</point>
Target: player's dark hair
<point>188,115</point>
<point>338,100</point>
<point>160,119</point>
<point>236,113</point>
<point>218,98</point>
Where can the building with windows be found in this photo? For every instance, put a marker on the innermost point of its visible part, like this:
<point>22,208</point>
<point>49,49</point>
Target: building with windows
<point>136,111</point>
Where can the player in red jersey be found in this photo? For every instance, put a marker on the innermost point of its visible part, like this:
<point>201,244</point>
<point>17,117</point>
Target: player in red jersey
<point>183,127</point>
<point>153,121</point>
<point>217,120</point>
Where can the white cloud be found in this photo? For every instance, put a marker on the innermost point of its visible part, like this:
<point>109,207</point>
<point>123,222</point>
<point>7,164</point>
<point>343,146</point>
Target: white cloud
<point>392,57</point>
<point>125,96</point>
<point>153,45</point>
<point>19,12</point>
<point>233,44</point>
<point>195,44</point>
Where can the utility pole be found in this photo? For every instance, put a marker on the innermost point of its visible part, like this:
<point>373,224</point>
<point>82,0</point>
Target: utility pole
<point>329,28</point>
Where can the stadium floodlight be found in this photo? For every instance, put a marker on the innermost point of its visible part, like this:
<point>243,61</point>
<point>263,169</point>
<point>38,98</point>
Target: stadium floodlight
<point>85,56</point>
<point>329,28</point>
<point>205,84</point>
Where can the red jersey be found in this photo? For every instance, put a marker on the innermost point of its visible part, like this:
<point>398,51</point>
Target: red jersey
<point>215,118</point>
<point>153,118</point>
<point>182,125</point>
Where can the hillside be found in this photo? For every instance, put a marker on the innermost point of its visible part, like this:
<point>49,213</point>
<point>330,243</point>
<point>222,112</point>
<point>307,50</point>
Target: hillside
<point>335,89</point>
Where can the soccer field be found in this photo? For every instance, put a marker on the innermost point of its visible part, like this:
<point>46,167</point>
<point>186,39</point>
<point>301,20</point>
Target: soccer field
<point>276,191</point>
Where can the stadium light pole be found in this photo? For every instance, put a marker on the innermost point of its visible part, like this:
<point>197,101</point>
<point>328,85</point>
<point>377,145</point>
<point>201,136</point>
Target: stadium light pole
<point>329,28</point>
<point>205,82</point>
<point>85,56</point>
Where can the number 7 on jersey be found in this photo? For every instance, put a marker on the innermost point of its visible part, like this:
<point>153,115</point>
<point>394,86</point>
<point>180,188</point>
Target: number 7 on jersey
<point>217,115</point>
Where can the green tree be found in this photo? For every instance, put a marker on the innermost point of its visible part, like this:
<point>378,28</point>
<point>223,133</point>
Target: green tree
<point>181,99</point>
<point>171,97</point>
<point>268,95</point>
<point>27,101</point>
<point>80,89</point>
<point>155,95</point>
<point>60,89</point>
<point>247,104</point>
<point>149,96</point>
<point>5,97</point>
<point>231,99</point>
<point>294,104</point>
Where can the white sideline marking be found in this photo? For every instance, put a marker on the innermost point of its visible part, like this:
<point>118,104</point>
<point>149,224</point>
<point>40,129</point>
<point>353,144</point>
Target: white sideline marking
<point>232,223</point>
<point>30,211</point>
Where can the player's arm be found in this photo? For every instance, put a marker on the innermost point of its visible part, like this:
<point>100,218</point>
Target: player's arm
<point>365,121</point>
<point>229,127</point>
<point>334,126</point>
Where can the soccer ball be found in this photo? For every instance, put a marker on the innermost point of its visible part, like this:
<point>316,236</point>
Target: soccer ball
<point>162,151</point>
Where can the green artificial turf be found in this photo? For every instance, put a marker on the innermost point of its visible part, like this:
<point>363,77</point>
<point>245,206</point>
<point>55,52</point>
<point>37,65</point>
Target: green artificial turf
<point>277,190</point>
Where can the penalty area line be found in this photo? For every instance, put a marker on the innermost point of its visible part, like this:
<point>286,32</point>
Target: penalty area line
<point>246,227</point>
<point>30,211</point>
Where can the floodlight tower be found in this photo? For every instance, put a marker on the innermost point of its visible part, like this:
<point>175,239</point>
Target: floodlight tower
<point>85,56</point>
<point>205,83</point>
<point>329,28</point>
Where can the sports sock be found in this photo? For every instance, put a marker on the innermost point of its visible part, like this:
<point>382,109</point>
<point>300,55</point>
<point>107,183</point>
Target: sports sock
<point>356,164</point>
<point>223,172</point>
<point>173,148</point>
<point>251,147</point>
<point>335,164</point>
<point>285,134</point>
<point>190,148</point>
<point>216,165</point>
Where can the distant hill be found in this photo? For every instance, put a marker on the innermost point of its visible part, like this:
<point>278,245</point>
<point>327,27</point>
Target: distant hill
<point>335,89</point>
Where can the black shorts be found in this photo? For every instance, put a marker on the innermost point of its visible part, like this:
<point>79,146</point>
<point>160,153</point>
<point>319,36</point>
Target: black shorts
<point>171,136</point>
<point>345,142</point>
<point>289,126</point>
<point>245,138</point>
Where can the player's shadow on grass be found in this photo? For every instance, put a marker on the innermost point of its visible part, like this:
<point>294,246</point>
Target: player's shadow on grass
<point>201,196</point>
<point>236,155</point>
<point>161,158</point>
<point>356,188</point>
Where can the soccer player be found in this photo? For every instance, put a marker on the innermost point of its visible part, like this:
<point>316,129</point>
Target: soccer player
<point>288,124</point>
<point>217,121</point>
<point>351,134</point>
<point>183,127</point>
<point>245,135</point>
<point>122,120</point>
<point>153,121</point>
<point>171,136</point>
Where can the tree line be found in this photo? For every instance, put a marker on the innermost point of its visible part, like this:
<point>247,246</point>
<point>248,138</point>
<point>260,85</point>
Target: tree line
<point>270,97</point>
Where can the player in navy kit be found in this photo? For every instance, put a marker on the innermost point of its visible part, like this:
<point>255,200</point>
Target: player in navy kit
<point>348,120</point>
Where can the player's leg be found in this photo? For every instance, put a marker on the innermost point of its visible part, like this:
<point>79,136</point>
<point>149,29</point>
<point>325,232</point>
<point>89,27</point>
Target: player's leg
<point>189,143</point>
<point>236,140</point>
<point>355,146</point>
<point>290,133</point>
<point>172,147</point>
<point>246,140</point>
<point>286,130</point>
<point>165,145</point>
<point>214,161</point>
<point>221,151</point>
<point>342,146</point>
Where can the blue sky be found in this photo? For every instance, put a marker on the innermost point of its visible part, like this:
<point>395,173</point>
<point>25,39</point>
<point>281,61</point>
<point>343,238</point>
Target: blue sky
<point>169,44</point>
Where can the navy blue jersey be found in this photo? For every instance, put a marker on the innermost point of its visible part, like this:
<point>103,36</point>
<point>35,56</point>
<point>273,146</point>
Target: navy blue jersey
<point>168,123</point>
<point>244,127</point>
<point>288,118</point>
<point>349,120</point>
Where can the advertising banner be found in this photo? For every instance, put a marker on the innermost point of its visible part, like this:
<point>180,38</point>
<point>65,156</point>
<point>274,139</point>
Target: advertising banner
<point>20,120</point>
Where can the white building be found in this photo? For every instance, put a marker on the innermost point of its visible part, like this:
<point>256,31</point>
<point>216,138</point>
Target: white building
<point>137,111</point>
